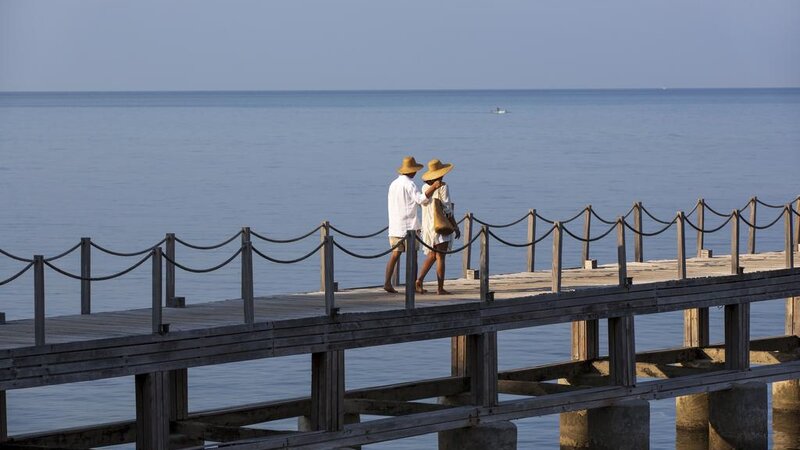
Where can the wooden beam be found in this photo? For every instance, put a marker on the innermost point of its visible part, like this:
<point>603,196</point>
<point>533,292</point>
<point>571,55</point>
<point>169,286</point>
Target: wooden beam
<point>219,433</point>
<point>152,411</point>
<point>388,407</point>
<point>534,388</point>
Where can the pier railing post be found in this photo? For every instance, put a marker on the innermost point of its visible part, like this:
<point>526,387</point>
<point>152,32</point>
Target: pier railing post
<point>681,245</point>
<point>587,232</point>
<point>789,246</point>
<point>157,293</point>
<point>735,242</point>
<point>622,259</point>
<point>38,299</point>
<point>531,238</point>
<point>467,254</point>
<point>485,295</point>
<point>247,277</point>
<point>638,249</point>
<point>324,232</point>
<point>169,242</point>
<point>557,252</point>
<point>411,267</point>
<point>329,288</point>
<point>797,225</point>
<point>701,223</point>
<point>86,274</point>
<point>751,236</point>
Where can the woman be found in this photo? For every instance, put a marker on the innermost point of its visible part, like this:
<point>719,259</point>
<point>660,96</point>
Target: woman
<point>436,171</point>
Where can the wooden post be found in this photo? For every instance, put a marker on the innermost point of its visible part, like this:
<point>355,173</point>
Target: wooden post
<point>152,411</point>
<point>797,225</point>
<point>38,299</point>
<point>751,236</point>
<point>788,239</point>
<point>484,291</point>
<point>329,288</point>
<point>157,294</point>
<point>178,394</point>
<point>696,327</point>
<point>324,232</point>
<point>638,248</point>
<point>170,270</point>
<point>622,351</point>
<point>701,223</point>
<point>622,258</point>
<point>681,246</point>
<point>735,242</point>
<point>3,417</point>
<point>557,251</point>
<point>247,277</point>
<point>86,273</point>
<point>327,390</point>
<point>587,232</point>
<point>411,267</point>
<point>467,254</point>
<point>585,340</point>
<point>531,238</point>
<point>482,368</point>
<point>737,336</point>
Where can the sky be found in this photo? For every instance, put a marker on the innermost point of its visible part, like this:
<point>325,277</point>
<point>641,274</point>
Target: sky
<point>113,45</point>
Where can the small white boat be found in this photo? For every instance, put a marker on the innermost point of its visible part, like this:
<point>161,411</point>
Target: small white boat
<point>499,110</point>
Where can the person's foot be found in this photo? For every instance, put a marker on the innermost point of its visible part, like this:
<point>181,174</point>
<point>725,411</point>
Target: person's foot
<point>388,288</point>
<point>443,292</point>
<point>418,287</point>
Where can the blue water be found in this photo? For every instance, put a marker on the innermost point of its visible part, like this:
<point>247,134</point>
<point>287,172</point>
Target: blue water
<point>125,168</point>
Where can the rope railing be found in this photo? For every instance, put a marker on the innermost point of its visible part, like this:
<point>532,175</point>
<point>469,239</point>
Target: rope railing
<point>16,275</point>
<point>288,261</point>
<point>207,247</point>
<point>596,238</point>
<point>762,227</point>
<point>505,225</point>
<point>206,270</point>
<point>768,205</point>
<point>284,241</point>
<point>328,244</point>
<point>358,236</point>
<point>709,231</point>
<point>65,253</point>
<point>103,278</point>
<point>527,244</point>
<point>127,254</point>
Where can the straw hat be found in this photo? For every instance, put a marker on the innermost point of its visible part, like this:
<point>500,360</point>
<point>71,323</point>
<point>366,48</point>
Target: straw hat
<point>436,169</point>
<point>409,166</point>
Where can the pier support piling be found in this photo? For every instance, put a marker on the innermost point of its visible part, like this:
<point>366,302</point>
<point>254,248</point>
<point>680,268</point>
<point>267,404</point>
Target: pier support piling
<point>738,417</point>
<point>623,425</point>
<point>152,411</point>
<point>495,436</point>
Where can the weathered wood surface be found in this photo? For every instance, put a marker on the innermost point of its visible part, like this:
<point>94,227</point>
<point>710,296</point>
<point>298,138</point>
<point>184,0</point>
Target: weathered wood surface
<point>118,344</point>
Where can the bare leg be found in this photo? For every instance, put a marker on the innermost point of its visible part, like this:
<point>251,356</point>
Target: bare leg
<point>387,284</point>
<point>440,266</point>
<point>426,267</point>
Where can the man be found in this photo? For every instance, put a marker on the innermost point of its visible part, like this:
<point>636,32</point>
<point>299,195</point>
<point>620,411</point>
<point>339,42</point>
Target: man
<point>404,197</point>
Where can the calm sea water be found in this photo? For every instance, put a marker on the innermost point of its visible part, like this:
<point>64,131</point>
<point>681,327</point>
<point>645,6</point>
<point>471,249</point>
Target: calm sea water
<point>125,168</point>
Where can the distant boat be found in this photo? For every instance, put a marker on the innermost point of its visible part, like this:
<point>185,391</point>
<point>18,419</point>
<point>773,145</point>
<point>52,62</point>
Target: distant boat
<point>499,110</point>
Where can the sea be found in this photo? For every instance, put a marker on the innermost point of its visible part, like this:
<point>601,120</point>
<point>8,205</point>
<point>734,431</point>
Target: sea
<point>124,168</point>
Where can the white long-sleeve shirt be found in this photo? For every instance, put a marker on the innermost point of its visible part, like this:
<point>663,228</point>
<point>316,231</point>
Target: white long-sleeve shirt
<point>404,196</point>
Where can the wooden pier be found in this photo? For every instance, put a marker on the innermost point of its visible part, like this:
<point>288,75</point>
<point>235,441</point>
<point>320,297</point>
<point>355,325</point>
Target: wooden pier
<point>157,345</point>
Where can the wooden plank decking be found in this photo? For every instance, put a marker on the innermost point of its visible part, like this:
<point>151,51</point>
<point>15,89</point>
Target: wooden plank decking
<point>63,329</point>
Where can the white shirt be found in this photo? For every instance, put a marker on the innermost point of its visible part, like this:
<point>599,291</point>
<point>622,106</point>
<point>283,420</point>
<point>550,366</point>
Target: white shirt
<point>404,196</point>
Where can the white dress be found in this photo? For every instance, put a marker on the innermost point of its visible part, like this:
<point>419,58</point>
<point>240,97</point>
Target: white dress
<point>429,234</point>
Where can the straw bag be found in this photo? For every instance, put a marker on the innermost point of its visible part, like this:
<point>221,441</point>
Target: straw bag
<point>442,223</point>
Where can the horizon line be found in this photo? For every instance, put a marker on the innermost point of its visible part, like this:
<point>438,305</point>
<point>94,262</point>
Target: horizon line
<point>189,91</point>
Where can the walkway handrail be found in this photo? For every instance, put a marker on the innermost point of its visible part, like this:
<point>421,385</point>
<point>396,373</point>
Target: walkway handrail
<point>327,245</point>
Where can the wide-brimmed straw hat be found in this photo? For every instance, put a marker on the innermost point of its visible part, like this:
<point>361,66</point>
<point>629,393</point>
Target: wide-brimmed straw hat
<point>436,169</point>
<point>410,165</point>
